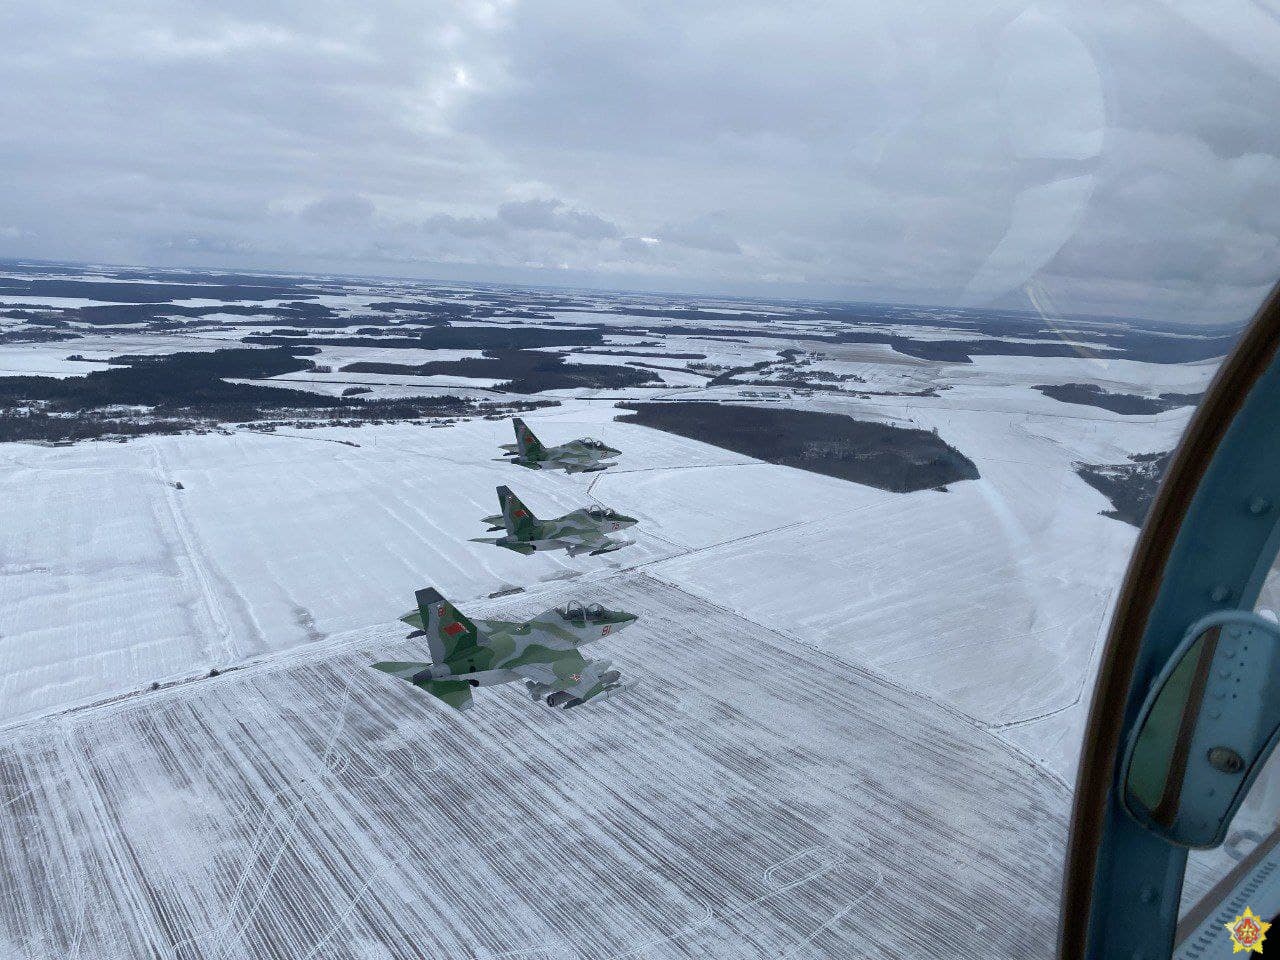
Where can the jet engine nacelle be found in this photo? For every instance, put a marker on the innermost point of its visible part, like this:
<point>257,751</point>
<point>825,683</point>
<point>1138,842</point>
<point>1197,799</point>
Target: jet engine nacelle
<point>537,690</point>
<point>432,672</point>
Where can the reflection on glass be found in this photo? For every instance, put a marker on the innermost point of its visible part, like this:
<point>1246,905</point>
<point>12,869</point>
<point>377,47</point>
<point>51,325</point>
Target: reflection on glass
<point>1159,757</point>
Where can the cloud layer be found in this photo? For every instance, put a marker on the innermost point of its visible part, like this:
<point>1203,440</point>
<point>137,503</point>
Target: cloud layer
<point>1117,157</point>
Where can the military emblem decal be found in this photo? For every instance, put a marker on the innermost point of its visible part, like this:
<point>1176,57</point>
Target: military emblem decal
<point>1248,931</point>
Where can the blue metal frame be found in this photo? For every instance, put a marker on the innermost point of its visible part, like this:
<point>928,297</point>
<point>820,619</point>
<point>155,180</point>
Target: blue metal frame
<point>1219,558</point>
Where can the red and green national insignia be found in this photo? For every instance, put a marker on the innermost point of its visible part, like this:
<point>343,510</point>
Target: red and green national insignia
<point>454,629</point>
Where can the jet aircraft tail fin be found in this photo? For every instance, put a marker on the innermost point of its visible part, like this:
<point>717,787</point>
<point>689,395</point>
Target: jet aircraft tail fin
<point>447,630</point>
<point>528,447</point>
<point>518,519</point>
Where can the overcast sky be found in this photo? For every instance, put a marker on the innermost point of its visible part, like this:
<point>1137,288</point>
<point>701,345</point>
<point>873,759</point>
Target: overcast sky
<point>1118,157</point>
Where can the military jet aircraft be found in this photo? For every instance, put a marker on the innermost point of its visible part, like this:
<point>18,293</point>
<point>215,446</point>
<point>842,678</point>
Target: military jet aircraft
<point>543,652</point>
<point>582,531</point>
<point>576,456</point>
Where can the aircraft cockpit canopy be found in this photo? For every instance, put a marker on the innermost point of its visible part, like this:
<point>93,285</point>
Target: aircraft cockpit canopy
<point>575,612</point>
<point>601,513</point>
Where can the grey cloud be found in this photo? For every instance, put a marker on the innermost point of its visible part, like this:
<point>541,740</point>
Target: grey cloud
<point>914,151</point>
<point>702,234</point>
<point>471,227</point>
<point>550,215</point>
<point>339,210</point>
<point>516,217</point>
<point>639,251</point>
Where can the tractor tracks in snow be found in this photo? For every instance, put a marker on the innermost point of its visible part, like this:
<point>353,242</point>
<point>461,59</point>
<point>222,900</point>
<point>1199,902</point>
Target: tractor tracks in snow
<point>201,576</point>
<point>784,641</point>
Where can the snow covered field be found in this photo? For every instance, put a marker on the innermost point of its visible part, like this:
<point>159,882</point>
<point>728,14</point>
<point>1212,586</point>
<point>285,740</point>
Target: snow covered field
<point>277,540</point>
<point>751,797</point>
<point>848,702</point>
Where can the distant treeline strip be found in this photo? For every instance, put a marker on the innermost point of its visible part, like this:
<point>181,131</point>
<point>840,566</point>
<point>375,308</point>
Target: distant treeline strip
<point>179,391</point>
<point>520,371</point>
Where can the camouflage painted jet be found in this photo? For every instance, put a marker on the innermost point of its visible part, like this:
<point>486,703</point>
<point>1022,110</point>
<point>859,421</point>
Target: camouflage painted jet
<point>576,456</point>
<point>543,652</point>
<point>582,531</point>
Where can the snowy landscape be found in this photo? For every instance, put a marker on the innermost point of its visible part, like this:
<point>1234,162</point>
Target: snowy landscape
<point>854,677</point>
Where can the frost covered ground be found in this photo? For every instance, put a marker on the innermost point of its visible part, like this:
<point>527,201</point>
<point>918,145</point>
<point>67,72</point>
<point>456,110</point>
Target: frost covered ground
<point>849,705</point>
<point>751,797</point>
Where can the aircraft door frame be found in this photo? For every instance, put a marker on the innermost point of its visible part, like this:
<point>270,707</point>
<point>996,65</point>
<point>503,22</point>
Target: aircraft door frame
<point>1208,540</point>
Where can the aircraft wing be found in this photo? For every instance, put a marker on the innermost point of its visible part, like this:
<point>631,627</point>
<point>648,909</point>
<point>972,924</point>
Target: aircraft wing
<point>594,678</point>
<point>580,539</point>
<point>487,627</point>
<point>556,675</point>
<point>590,542</point>
<point>590,467</point>
<point>571,680</point>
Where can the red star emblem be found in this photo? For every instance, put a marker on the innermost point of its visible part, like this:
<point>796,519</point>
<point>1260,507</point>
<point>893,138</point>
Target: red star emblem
<point>1247,932</point>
